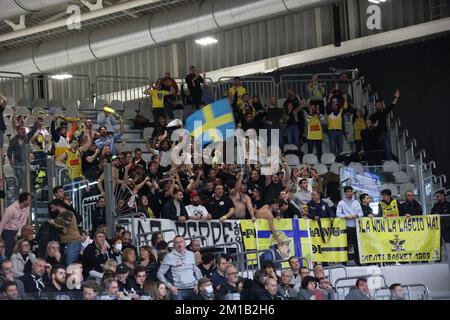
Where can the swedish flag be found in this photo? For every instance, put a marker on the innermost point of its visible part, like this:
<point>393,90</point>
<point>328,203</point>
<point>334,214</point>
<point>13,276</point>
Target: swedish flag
<point>211,122</point>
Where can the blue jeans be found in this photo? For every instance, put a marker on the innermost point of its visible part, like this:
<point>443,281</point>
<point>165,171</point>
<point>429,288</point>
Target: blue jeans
<point>8,237</point>
<point>293,135</point>
<point>385,141</point>
<point>185,294</point>
<point>18,174</point>
<point>336,138</point>
<point>72,251</point>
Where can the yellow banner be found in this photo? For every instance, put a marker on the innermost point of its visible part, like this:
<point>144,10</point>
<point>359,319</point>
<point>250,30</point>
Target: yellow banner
<point>399,239</point>
<point>292,232</point>
<point>329,240</point>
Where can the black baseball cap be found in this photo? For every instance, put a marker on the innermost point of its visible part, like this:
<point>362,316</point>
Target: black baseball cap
<point>122,268</point>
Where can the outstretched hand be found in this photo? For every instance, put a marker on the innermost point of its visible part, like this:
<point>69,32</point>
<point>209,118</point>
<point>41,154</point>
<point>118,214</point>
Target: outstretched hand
<point>397,94</point>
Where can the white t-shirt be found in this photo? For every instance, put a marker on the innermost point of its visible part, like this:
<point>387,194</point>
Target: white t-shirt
<point>196,211</point>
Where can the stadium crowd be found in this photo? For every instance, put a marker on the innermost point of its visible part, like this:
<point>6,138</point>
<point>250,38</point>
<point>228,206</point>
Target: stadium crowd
<point>61,261</point>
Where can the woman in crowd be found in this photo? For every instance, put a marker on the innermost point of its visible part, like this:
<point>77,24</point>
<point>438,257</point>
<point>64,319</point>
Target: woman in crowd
<point>129,259</point>
<point>53,255</point>
<point>22,258</point>
<point>148,259</point>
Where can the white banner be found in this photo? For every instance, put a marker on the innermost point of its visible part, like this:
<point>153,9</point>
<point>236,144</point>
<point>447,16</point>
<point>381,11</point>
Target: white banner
<point>213,231</point>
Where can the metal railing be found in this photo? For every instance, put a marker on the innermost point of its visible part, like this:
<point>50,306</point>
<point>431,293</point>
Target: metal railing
<point>138,240</point>
<point>203,238</point>
<point>263,86</point>
<point>122,88</point>
<point>87,207</point>
<point>342,290</point>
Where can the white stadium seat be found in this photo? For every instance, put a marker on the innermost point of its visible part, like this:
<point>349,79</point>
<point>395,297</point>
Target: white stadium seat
<point>391,187</point>
<point>309,158</point>
<point>358,167</point>
<point>292,160</point>
<point>327,158</point>
<point>401,177</point>
<point>321,169</point>
<point>117,105</point>
<point>290,147</point>
<point>335,167</point>
<point>407,187</point>
<point>391,166</point>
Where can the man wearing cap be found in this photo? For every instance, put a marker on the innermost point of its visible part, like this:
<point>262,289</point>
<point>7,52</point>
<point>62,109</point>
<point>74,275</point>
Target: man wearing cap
<point>388,207</point>
<point>127,284</point>
<point>195,210</point>
<point>180,264</point>
<point>205,290</point>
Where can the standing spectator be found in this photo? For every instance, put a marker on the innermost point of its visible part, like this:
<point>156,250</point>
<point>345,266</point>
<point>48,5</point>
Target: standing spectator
<point>194,82</point>
<point>237,91</point>
<point>40,142</point>
<point>107,119</point>
<point>350,209</point>
<point>3,103</point>
<point>109,139</point>
<point>336,127</point>
<point>294,265</point>
<point>2,250</point>
<point>442,206</point>
<point>379,119</point>
<point>205,290</point>
<point>388,207</point>
<point>13,219</point>
<point>285,288</point>
<point>366,209</point>
<point>158,95</point>
<point>7,274</point>
<point>220,206</point>
<point>303,196</point>
<point>195,210</point>
<point>291,119</point>
<point>317,208</point>
<point>33,282</point>
<point>359,124</point>
<point>98,215</point>
<point>71,159</point>
<point>184,277</point>
<point>126,242</point>
<point>316,91</point>
<point>156,238</point>
<point>207,265</point>
<point>314,129</point>
<point>411,207</point>
<point>218,276</point>
<point>397,292</point>
<point>360,292</point>
<point>170,101</point>
<point>175,209</point>
<point>299,104</point>
<point>274,120</point>
<point>66,223</point>
<point>22,258</point>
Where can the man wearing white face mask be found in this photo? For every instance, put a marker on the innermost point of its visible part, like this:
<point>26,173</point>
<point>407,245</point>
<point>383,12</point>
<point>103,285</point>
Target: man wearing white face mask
<point>205,290</point>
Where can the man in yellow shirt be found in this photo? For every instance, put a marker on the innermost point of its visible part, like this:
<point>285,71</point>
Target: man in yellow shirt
<point>388,206</point>
<point>71,159</point>
<point>238,90</point>
<point>158,95</point>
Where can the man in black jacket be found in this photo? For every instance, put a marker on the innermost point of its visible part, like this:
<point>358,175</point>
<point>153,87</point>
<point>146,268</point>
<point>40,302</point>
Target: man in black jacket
<point>271,290</point>
<point>442,206</point>
<point>379,119</point>
<point>411,207</point>
<point>34,282</point>
<point>366,209</point>
<point>98,216</point>
<point>229,290</point>
<point>96,254</point>
<point>57,289</point>
<point>175,209</point>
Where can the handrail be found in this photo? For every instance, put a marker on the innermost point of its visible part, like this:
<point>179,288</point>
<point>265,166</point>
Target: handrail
<point>330,269</point>
<point>308,262</point>
<point>228,244</point>
<point>191,238</point>
<point>129,215</point>
<point>360,276</point>
<point>409,286</point>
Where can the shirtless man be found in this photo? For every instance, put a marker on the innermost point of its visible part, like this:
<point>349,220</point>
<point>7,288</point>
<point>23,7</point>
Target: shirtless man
<point>268,212</point>
<point>241,200</point>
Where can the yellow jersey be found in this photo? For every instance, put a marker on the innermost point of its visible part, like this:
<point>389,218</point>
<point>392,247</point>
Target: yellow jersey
<point>390,210</point>
<point>241,91</point>
<point>73,161</point>
<point>314,128</point>
<point>158,97</point>
<point>358,126</point>
<point>335,122</point>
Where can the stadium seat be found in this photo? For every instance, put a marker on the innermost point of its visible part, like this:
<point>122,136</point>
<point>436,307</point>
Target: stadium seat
<point>288,147</point>
<point>358,167</point>
<point>321,168</point>
<point>391,187</point>
<point>134,105</point>
<point>407,187</point>
<point>55,103</point>
<point>391,166</point>
<point>327,158</point>
<point>37,111</point>
<point>40,103</point>
<point>401,177</point>
<point>22,111</point>
<point>70,104</point>
<point>117,105</point>
<point>100,103</point>
<point>335,167</point>
<point>71,112</point>
<point>8,111</point>
<point>129,114</point>
<point>310,158</point>
<point>148,132</point>
<point>292,160</point>
<point>86,104</point>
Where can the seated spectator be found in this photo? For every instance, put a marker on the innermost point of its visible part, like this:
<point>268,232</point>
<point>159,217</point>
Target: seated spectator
<point>317,208</point>
<point>195,210</point>
<point>129,259</point>
<point>304,272</point>
<point>411,207</point>
<point>22,258</point>
<point>366,209</point>
<point>294,265</point>
<point>308,290</point>
<point>53,255</point>
<point>397,292</point>
<point>271,291</point>
<point>148,260</point>
<point>291,185</point>
<point>326,288</point>
<point>7,274</point>
<point>85,240</point>
<point>360,292</point>
<point>126,282</point>
<point>140,275</point>
<point>229,289</point>
<point>91,289</point>
<point>34,282</point>
<point>289,210</point>
<point>57,285</point>
<point>388,206</point>
<point>194,246</point>
<point>157,236</point>
<point>111,291</point>
<point>8,291</point>
<point>158,291</point>
<point>96,254</point>
<point>175,209</point>
<point>205,290</point>
<point>318,271</point>
<point>126,242</point>
<point>145,207</point>
<point>117,248</point>
<point>285,289</point>
<point>218,276</point>
<point>206,266</point>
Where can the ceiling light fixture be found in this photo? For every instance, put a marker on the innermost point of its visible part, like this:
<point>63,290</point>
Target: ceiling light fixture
<point>206,41</point>
<point>62,76</point>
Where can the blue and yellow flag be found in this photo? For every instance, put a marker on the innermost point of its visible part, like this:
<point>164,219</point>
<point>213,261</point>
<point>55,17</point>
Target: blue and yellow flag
<point>211,122</point>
